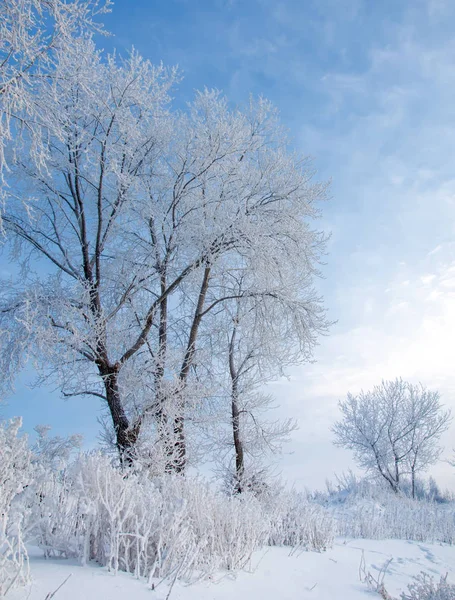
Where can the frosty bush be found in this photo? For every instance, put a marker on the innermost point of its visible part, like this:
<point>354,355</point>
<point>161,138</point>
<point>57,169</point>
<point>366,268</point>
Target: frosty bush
<point>161,526</point>
<point>172,524</point>
<point>365,509</point>
<point>399,518</point>
<point>424,588</point>
<point>15,476</point>
<point>297,522</point>
<point>86,508</point>
<point>158,527</point>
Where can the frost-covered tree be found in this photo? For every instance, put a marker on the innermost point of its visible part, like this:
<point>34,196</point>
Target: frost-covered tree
<point>255,339</point>
<point>393,430</point>
<point>31,31</point>
<point>135,222</point>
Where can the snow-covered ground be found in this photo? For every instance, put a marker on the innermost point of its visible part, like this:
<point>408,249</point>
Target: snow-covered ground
<point>274,574</point>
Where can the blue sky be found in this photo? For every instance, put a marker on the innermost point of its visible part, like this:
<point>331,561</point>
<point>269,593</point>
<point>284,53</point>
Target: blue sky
<point>367,89</point>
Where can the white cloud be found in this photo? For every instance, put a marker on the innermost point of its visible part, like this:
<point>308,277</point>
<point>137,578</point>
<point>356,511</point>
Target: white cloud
<point>427,279</point>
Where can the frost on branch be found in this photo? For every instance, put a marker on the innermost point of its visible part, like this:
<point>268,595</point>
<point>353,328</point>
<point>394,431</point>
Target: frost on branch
<point>393,430</point>
<point>15,475</point>
<point>54,452</point>
<point>31,32</point>
<point>255,339</point>
<point>424,588</point>
<point>144,220</point>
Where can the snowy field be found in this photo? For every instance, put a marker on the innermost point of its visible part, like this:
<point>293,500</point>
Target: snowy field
<point>274,574</point>
<point>342,543</point>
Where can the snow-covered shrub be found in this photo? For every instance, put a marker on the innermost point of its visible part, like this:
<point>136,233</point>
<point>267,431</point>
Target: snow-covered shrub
<point>53,514</point>
<point>388,515</point>
<point>365,508</point>
<point>226,529</point>
<point>156,527</point>
<point>149,527</point>
<point>50,502</point>
<point>16,473</point>
<point>348,484</point>
<point>296,521</point>
<point>424,588</point>
<point>84,507</point>
<point>54,452</point>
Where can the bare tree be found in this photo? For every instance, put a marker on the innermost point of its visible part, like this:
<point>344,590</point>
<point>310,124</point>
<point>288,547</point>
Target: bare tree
<point>393,430</point>
<point>135,221</point>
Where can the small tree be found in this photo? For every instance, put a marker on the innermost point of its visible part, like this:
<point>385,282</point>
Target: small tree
<point>256,338</point>
<point>393,430</point>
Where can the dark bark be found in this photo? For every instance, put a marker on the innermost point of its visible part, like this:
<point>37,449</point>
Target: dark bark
<point>385,472</point>
<point>239,454</point>
<point>238,445</point>
<point>397,476</point>
<point>126,435</point>
<point>177,464</point>
<point>161,414</point>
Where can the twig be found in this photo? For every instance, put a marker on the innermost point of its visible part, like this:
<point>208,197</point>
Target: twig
<point>52,594</point>
<point>375,584</point>
<point>172,584</point>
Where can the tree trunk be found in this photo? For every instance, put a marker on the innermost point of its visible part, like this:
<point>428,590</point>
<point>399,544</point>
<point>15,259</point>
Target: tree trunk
<point>178,462</point>
<point>179,454</point>
<point>238,445</point>
<point>161,414</point>
<point>397,476</point>
<point>239,454</point>
<point>126,436</point>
